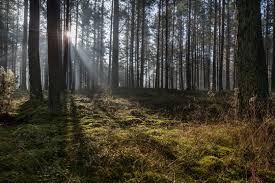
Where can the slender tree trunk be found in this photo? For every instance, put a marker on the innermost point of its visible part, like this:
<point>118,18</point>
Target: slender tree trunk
<point>214,80</point>
<point>76,59</point>
<point>1,33</point>
<point>181,27</point>
<point>137,44</point>
<point>6,35</point>
<point>158,46</point>
<point>24,47</point>
<point>210,2</point>
<point>127,49</point>
<point>228,47</point>
<point>188,66</point>
<point>142,45</point>
<point>66,46</point>
<point>222,48</point>
<point>101,79</point>
<point>172,46</point>
<point>131,74</point>
<point>162,45</point>
<point>17,36</point>
<point>273,64</point>
<point>267,34</point>
<point>110,45</point>
<point>167,45</point>
<point>115,82</point>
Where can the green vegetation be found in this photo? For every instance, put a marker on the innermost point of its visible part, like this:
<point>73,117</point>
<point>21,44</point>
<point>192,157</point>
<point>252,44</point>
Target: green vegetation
<point>139,138</point>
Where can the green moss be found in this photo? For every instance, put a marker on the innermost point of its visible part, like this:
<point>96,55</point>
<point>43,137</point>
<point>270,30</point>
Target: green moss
<point>221,151</point>
<point>267,176</point>
<point>6,146</point>
<point>130,121</point>
<point>15,176</point>
<point>125,139</point>
<point>211,163</point>
<point>29,135</point>
<point>149,177</point>
<point>96,116</point>
<point>87,120</point>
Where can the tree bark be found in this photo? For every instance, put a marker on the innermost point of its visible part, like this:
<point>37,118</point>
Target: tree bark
<point>142,44</point>
<point>115,82</point>
<point>222,48</point>
<point>251,63</point>
<point>24,46</point>
<point>131,67</point>
<point>158,47</point>
<point>167,45</point>
<point>228,47</point>
<point>188,68</point>
<point>214,79</point>
<point>273,64</point>
<point>53,56</point>
<point>34,61</point>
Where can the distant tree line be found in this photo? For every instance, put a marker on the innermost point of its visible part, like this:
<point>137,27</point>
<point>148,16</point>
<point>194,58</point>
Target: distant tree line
<point>65,46</point>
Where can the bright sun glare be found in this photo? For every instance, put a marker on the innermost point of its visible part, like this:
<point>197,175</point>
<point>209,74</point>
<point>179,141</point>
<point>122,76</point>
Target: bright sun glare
<point>68,34</point>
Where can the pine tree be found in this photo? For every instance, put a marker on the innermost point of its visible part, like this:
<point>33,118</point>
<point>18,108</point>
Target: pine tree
<point>251,63</point>
<point>34,61</point>
<point>115,76</point>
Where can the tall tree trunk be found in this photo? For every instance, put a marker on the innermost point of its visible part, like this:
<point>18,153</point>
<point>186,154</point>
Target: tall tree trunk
<point>115,82</point>
<point>17,36</point>
<point>101,79</point>
<point>214,76</point>
<point>210,10</point>
<point>172,46</point>
<point>76,59</point>
<point>53,56</point>
<point>6,36</point>
<point>24,47</point>
<point>46,76</point>
<point>167,45</point>
<point>137,43</point>
<point>142,44</point>
<point>158,47</point>
<point>127,47</point>
<point>228,47</point>
<point>251,63</point>
<point>222,48</point>
<point>267,34</point>
<point>110,44</point>
<point>131,74</point>
<point>162,45</point>
<point>181,27</point>
<point>1,32</point>
<point>66,46</point>
<point>34,61</point>
<point>273,64</point>
<point>188,66</point>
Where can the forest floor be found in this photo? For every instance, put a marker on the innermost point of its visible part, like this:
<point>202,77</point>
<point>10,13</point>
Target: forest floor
<point>135,136</point>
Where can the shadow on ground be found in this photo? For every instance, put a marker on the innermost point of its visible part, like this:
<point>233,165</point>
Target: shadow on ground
<point>117,137</point>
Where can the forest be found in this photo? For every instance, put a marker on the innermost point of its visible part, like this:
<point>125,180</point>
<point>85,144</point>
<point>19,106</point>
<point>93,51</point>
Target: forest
<point>137,91</point>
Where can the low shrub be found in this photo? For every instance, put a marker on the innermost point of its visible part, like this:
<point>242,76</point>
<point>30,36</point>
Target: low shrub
<point>7,87</point>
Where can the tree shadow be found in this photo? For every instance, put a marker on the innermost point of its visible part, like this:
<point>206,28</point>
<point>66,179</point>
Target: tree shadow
<point>83,158</point>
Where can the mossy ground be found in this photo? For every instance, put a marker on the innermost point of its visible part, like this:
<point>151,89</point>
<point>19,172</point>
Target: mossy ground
<point>141,136</point>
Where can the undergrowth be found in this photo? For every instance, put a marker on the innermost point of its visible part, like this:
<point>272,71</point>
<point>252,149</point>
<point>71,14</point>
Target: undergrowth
<point>145,137</point>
